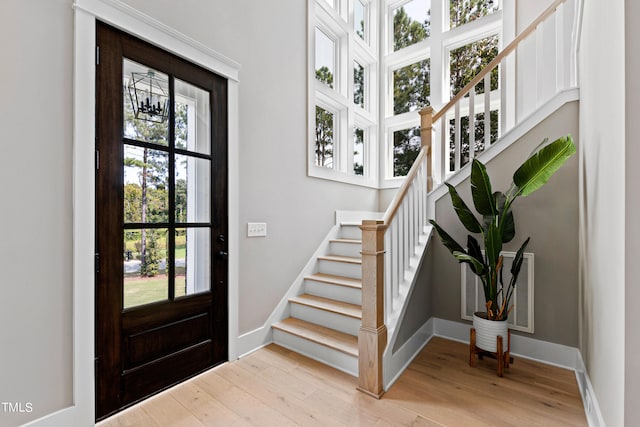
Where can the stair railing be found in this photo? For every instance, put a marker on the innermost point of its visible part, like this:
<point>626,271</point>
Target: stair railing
<point>542,77</point>
<point>399,230</point>
<point>389,244</point>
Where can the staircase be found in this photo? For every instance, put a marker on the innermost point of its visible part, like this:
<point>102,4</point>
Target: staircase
<point>325,318</point>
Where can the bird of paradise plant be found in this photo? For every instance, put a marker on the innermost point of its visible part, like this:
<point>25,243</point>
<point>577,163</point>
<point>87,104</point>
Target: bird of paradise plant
<point>497,225</point>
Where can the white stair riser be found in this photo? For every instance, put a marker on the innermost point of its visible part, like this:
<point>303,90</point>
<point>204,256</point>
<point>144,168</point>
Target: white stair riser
<point>350,232</point>
<point>335,292</point>
<point>328,319</point>
<point>319,352</point>
<point>346,249</point>
<point>337,268</point>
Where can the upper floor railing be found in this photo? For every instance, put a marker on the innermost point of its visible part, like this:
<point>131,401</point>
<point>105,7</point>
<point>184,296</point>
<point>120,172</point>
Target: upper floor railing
<point>388,245</point>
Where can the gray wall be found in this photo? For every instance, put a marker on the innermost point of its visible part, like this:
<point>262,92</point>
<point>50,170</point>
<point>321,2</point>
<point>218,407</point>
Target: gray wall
<point>36,215</point>
<point>632,197</point>
<point>549,216</point>
<point>420,308</point>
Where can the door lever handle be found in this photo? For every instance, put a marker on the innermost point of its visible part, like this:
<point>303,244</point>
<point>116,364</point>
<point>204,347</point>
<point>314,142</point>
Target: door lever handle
<point>223,255</point>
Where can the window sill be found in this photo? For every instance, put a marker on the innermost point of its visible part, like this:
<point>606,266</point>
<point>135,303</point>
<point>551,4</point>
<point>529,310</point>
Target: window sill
<point>332,175</point>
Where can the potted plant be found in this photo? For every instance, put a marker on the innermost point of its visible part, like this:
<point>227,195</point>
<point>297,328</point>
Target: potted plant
<point>497,227</point>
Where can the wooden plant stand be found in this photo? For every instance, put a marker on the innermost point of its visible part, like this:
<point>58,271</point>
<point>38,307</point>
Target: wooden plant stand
<point>503,358</point>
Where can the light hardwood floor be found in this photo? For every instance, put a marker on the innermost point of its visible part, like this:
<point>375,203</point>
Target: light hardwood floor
<point>277,387</point>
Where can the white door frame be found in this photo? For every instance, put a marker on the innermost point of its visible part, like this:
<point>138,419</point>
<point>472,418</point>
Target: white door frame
<point>130,20</point>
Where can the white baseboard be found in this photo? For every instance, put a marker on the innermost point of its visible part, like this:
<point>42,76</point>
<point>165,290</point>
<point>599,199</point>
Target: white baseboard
<point>396,363</point>
<point>529,348</point>
<point>589,400</point>
<point>254,340</point>
<point>540,351</point>
<point>65,417</point>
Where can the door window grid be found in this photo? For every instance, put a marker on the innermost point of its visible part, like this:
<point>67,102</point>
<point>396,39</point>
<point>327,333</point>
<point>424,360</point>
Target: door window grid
<point>152,266</point>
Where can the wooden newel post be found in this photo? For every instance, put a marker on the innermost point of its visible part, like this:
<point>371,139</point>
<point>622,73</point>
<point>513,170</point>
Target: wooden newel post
<point>372,338</point>
<point>426,125</point>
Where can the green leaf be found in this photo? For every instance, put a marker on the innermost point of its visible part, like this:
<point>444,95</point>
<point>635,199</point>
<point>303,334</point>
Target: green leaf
<point>505,221</point>
<point>473,249</point>
<point>483,198</point>
<point>463,257</point>
<point>447,240</point>
<point>537,170</point>
<point>467,218</point>
<point>508,227</point>
<point>517,261</point>
<point>492,244</point>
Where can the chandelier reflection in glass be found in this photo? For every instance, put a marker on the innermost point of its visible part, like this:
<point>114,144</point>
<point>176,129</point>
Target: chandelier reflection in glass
<point>149,97</point>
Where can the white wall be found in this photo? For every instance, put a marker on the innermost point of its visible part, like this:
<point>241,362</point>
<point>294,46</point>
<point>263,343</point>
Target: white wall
<point>36,242</point>
<point>632,249</point>
<point>602,130</point>
<point>268,39</point>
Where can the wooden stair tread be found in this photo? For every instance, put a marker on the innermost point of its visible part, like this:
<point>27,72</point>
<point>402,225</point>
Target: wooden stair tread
<point>337,340</point>
<point>338,307</point>
<point>340,258</point>
<point>336,280</point>
<point>354,241</point>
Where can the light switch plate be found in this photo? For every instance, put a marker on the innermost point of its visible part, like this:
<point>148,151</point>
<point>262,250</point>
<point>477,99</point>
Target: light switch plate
<point>256,229</point>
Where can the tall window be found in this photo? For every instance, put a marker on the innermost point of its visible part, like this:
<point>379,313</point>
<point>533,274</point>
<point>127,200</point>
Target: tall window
<point>429,50</point>
<point>343,90</point>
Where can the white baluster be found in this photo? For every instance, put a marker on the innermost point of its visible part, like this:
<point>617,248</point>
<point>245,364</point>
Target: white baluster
<point>457,149</point>
<point>487,111</point>
<point>472,124</point>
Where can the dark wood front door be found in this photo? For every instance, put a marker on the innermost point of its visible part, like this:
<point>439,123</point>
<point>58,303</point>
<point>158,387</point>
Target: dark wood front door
<point>161,220</point>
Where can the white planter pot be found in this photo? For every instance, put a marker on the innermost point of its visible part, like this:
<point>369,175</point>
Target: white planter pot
<point>487,332</point>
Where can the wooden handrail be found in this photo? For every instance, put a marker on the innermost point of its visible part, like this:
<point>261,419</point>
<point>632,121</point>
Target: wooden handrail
<point>495,61</point>
<point>395,204</point>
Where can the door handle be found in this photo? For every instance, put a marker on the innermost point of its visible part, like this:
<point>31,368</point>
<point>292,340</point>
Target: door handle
<point>223,255</point>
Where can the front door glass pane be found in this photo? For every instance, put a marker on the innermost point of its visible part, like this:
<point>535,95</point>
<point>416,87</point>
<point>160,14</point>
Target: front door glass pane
<point>146,191</point>
<point>193,189</point>
<point>193,261</point>
<point>145,103</point>
<point>145,266</point>
<point>193,117</point>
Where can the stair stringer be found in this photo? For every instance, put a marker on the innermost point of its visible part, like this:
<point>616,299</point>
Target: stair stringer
<point>518,131</point>
<point>262,336</point>
<point>395,363</point>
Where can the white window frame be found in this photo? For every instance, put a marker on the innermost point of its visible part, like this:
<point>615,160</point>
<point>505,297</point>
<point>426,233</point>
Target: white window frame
<point>376,55</point>
<point>338,24</point>
<point>436,48</point>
